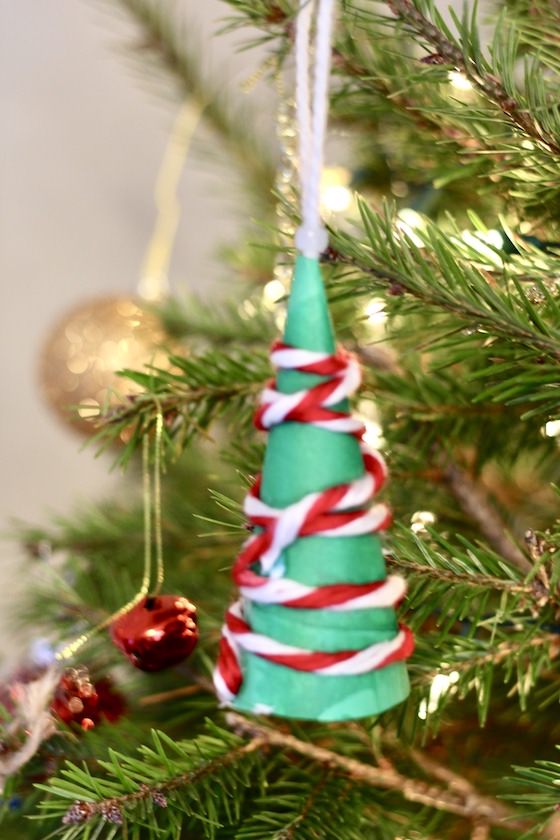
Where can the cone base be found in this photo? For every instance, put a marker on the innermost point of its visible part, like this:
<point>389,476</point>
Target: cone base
<point>276,690</point>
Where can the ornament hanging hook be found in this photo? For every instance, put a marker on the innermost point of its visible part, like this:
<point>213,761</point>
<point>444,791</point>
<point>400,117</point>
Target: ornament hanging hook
<point>311,114</point>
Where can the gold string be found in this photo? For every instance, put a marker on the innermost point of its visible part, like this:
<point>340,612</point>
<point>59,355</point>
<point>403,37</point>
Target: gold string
<point>152,286</point>
<point>73,647</point>
<point>147,499</point>
<point>153,283</point>
<point>160,571</point>
<point>269,63</point>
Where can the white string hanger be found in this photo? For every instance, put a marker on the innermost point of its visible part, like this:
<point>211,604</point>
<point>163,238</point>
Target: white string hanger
<point>311,114</point>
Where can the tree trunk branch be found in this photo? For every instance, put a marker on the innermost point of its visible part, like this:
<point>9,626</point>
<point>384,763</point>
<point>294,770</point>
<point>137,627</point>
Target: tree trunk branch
<point>476,504</point>
<point>470,805</point>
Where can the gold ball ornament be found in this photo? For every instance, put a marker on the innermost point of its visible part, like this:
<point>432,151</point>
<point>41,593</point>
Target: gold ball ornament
<point>81,355</point>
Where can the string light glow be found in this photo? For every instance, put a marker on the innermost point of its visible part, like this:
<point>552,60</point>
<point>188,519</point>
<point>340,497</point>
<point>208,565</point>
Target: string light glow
<point>369,415</point>
<point>399,188</point>
<point>336,197</point>
<point>408,222</point>
<point>375,312</point>
<point>420,519</point>
<point>441,685</point>
<point>552,428</point>
<point>273,291</point>
<point>484,242</point>
<point>373,435</point>
<point>459,81</point>
<point>247,309</point>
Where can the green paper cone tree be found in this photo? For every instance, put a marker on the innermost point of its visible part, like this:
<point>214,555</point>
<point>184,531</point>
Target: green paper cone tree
<point>300,459</point>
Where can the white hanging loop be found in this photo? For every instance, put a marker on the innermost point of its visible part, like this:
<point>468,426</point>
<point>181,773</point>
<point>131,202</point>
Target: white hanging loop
<point>311,113</point>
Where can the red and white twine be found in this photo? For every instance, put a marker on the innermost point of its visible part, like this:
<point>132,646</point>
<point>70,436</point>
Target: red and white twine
<point>335,512</point>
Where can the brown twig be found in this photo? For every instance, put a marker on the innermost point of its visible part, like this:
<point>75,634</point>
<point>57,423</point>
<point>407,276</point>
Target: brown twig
<point>476,504</point>
<point>478,580</point>
<point>480,830</point>
<point>164,696</point>
<point>444,774</point>
<point>552,829</point>
<point>475,806</point>
<point>426,763</point>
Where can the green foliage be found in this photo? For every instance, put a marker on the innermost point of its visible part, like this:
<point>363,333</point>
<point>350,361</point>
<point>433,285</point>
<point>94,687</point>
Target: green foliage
<point>450,277</point>
<point>462,377</point>
<point>207,387</point>
<point>227,323</point>
<point>198,783</point>
<point>541,782</point>
<point>472,581</point>
<point>504,132</point>
<point>306,806</point>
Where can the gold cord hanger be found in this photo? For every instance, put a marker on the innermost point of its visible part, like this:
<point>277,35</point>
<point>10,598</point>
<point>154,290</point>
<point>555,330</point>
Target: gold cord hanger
<point>151,512</point>
<point>153,286</point>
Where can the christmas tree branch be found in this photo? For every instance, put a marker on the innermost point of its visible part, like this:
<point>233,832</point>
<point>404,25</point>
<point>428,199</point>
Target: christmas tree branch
<point>207,386</point>
<point>466,662</point>
<point>475,806</point>
<point>364,77</point>
<point>540,795</point>
<point>173,404</point>
<point>159,784</point>
<point>377,70</point>
<point>487,83</point>
<point>470,495</point>
<point>481,830</point>
<point>439,771</point>
<point>291,830</point>
<point>165,41</point>
<point>478,581</point>
<point>114,808</point>
<point>306,802</point>
<point>222,322</point>
<point>459,784</point>
<point>403,269</point>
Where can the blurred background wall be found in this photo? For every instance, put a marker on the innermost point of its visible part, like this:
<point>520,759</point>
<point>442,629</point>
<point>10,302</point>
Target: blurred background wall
<point>81,143</point>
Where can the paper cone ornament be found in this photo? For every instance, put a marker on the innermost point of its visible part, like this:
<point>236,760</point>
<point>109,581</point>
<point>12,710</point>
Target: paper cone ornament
<point>314,634</point>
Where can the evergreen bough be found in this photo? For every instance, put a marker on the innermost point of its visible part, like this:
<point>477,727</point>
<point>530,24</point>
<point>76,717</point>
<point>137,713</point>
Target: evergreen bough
<point>465,384</point>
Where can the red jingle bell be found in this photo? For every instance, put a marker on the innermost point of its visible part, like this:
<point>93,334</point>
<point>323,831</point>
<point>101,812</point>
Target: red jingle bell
<point>158,632</point>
